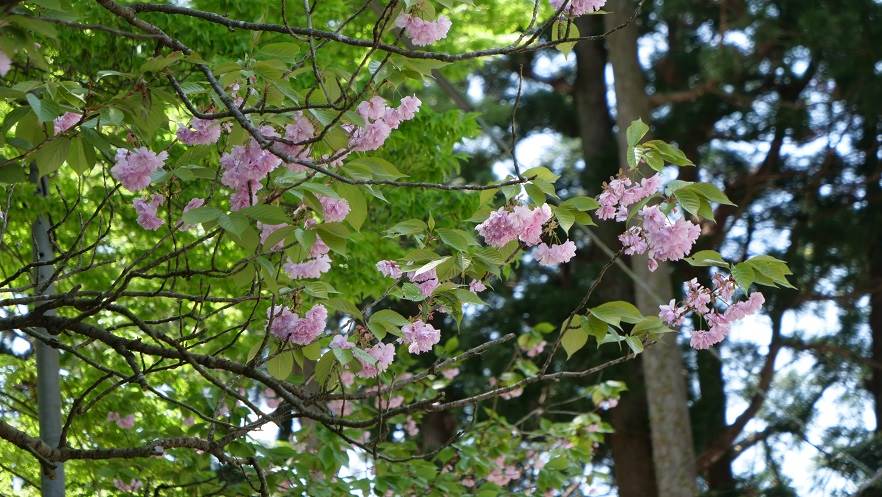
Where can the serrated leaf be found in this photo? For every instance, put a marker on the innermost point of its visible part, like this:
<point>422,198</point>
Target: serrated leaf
<point>201,215</point>
<point>704,258</point>
<point>744,275</point>
<point>280,365</point>
<point>267,214</point>
<point>615,312</point>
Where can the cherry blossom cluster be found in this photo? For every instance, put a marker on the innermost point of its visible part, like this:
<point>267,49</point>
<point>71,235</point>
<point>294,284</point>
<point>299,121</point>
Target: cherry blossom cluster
<point>200,132</point>
<point>422,32</point>
<point>65,121</point>
<point>124,422</point>
<point>133,168</point>
<point>621,193</point>
<point>576,8</point>
<point>380,120</point>
<point>701,300</point>
<point>318,263</point>
<point>660,238</point>
<point>288,326</point>
<point>525,224</point>
<point>420,337</point>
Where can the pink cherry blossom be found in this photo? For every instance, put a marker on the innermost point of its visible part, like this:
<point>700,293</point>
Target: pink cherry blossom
<point>289,326</point>
<point>741,310</point>
<point>200,132</point>
<point>420,336</point>
<point>477,286</point>
<point>578,8</point>
<point>268,229</point>
<point>5,63</point>
<point>389,268</point>
<point>724,286</point>
<point>410,427</point>
<point>450,373</point>
<point>347,378</point>
<point>65,121</point>
<point>536,349</point>
<point>334,210</point>
<point>299,132</point>
<point>427,282</point>
<point>244,168</point>
<point>698,298</point>
<point>134,167</point>
<point>383,353</point>
<point>551,255</point>
<point>308,269</point>
<point>370,137</point>
<point>341,342</point>
<point>146,210</point>
<point>620,194</point>
<point>671,314</point>
<point>498,229</point>
<point>372,109</point>
<point>422,32</point>
<point>529,222</point>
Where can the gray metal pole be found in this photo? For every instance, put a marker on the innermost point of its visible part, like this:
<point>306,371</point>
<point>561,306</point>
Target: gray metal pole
<point>48,386</point>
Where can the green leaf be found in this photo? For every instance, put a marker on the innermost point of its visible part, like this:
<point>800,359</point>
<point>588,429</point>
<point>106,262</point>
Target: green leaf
<point>45,110</point>
<point>386,321</point>
<point>457,239</point>
<point>650,325</point>
<point>744,275</point>
<point>573,340</point>
<point>357,204</point>
<point>160,62</point>
<point>312,351</point>
<point>615,312</point>
<point>50,156</point>
<point>689,200</point>
<point>12,172</point>
<point>267,214</point>
<point>635,343</point>
<point>76,156</point>
<point>280,366</point>
<point>285,51</point>
<point>234,223</point>
<point>704,258</point>
<point>635,132</point>
<point>425,268</point>
<point>201,215</point>
<point>562,30</point>
<point>711,192</point>
<point>565,217</point>
<point>581,203</point>
<point>409,227</point>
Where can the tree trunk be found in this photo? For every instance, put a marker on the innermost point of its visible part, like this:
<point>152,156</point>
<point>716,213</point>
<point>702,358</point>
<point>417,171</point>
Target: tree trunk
<point>48,386</point>
<point>630,443</point>
<point>673,452</point>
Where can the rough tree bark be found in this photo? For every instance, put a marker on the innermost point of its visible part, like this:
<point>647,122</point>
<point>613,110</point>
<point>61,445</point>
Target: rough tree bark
<point>673,452</point>
<point>48,383</point>
<point>630,444</point>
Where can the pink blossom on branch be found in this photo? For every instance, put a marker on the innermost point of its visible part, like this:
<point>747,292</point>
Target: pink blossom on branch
<point>290,327</point>
<point>422,32</point>
<point>577,8</point>
<point>552,255</point>
<point>389,268</point>
<point>200,132</point>
<point>133,168</point>
<point>334,210</point>
<point>383,353</point>
<point>477,286</point>
<point>420,336</point>
<point>146,210</point>
<point>65,121</point>
<point>268,229</point>
<point>427,282</point>
<point>309,269</point>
